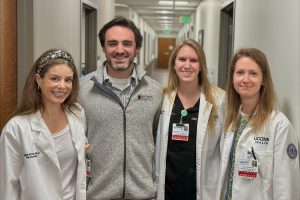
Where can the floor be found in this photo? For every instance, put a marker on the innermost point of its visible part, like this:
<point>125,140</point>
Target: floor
<point>159,74</point>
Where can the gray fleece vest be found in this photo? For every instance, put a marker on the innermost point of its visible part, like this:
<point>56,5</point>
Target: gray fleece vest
<point>121,138</point>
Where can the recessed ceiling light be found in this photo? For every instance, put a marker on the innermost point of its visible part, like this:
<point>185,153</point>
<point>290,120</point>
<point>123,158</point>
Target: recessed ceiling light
<point>166,17</point>
<point>171,3</point>
<point>164,12</point>
<point>165,22</point>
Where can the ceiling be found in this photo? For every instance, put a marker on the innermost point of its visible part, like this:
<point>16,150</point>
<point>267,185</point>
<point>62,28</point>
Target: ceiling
<point>162,18</point>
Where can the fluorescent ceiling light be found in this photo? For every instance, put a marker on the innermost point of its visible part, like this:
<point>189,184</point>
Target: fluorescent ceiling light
<point>166,17</point>
<point>177,3</point>
<point>165,22</point>
<point>164,12</point>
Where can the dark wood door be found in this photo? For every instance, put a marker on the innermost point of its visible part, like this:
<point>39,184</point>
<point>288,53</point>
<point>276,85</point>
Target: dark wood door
<point>8,59</point>
<point>165,48</point>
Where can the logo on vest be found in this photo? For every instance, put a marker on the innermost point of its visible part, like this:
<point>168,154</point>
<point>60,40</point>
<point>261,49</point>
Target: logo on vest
<point>145,97</point>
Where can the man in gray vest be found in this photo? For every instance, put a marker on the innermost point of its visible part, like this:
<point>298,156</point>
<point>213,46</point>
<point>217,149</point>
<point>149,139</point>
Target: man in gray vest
<point>122,106</point>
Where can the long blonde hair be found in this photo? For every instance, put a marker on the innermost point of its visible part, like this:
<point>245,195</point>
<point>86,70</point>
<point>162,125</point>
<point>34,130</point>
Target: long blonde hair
<point>206,87</point>
<point>267,102</point>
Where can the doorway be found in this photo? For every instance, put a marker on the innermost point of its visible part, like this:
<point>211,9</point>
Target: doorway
<point>88,39</point>
<point>8,60</point>
<point>226,43</point>
<point>165,48</point>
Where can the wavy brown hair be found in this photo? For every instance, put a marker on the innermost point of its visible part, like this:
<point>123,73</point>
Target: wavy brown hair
<point>206,87</point>
<point>123,22</point>
<point>268,100</point>
<point>32,100</point>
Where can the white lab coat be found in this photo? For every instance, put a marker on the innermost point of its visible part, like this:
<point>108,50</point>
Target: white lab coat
<point>29,167</point>
<point>207,147</point>
<point>278,174</point>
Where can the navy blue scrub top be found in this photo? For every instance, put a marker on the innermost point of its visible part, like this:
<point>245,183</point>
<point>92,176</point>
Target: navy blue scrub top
<point>180,182</point>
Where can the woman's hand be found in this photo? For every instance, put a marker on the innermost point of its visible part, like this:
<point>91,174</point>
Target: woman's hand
<point>87,147</point>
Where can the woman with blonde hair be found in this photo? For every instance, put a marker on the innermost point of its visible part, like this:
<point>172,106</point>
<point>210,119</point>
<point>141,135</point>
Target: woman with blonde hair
<point>42,146</point>
<point>260,148</point>
<point>189,132</point>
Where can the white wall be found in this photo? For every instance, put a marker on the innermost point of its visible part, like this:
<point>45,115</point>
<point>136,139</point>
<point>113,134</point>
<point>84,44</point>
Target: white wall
<point>57,25</point>
<point>225,3</point>
<point>210,22</point>
<point>147,46</point>
<point>147,42</point>
<point>24,42</point>
<point>43,25</point>
<point>207,17</point>
<point>188,29</point>
<point>273,26</point>
<point>106,12</point>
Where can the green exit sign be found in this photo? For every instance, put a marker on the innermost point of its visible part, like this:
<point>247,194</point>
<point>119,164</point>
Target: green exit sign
<point>167,31</point>
<point>185,19</point>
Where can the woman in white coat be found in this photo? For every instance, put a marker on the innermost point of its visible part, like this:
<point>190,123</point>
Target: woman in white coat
<point>260,157</point>
<point>189,132</point>
<point>42,146</point>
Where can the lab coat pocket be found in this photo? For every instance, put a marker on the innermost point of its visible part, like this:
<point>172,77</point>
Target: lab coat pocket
<point>265,164</point>
<point>213,139</point>
<point>209,192</point>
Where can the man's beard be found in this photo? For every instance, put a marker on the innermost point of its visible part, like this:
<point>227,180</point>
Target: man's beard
<point>122,68</point>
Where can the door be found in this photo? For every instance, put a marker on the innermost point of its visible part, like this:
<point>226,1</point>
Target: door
<point>226,44</point>
<point>88,39</point>
<point>8,60</point>
<point>165,48</point>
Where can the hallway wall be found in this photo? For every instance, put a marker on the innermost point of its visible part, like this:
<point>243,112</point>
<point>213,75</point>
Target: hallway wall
<point>206,18</point>
<point>273,26</point>
<point>148,50</point>
<point>43,25</point>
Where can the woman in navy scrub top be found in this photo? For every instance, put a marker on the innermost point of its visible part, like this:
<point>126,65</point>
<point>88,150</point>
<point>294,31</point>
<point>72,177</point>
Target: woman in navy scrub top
<point>189,132</point>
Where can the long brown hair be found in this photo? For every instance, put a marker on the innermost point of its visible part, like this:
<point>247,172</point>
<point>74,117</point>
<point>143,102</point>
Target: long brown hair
<point>206,87</point>
<point>31,100</point>
<point>267,102</point>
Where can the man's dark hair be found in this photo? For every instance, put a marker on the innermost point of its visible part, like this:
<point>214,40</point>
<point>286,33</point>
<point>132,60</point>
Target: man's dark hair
<point>121,21</point>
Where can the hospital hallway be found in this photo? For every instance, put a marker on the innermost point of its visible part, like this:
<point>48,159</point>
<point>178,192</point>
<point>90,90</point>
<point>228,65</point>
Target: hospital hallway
<point>158,74</point>
<point>29,27</point>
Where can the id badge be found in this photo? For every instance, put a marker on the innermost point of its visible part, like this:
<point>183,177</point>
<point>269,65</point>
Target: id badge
<point>88,167</point>
<point>180,132</point>
<point>248,168</point>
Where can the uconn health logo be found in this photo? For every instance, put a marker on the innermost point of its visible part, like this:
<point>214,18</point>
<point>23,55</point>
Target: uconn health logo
<point>261,140</point>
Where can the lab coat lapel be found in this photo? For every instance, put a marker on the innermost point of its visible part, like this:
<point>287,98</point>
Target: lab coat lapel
<point>228,137</point>
<point>244,136</point>
<point>167,109</point>
<point>203,117</point>
<point>43,138</point>
<point>74,127</point>
<point>245,131</point>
